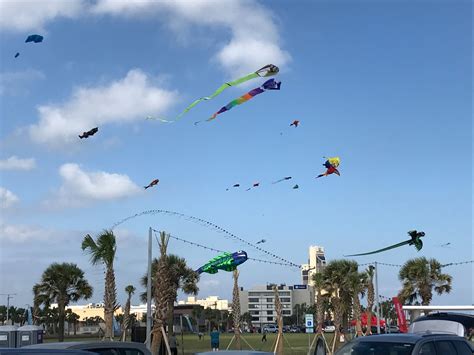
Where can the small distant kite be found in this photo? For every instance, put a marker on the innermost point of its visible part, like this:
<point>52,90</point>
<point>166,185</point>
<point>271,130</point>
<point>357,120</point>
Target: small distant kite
<point>89,133</point>
<point>261,241</point>
<point>271,84</point>
<point>282,179</point>
<point>17,54</point>
<point>331,165</point>
<point>296,187</point>
<point>295,123</point>
<point>225,261</point>
<point>445,245</point>
<point>415,239</point>
<point>151,184</point>
<point>234,186</point>
<point>264,72</point>
<point>257,184</point>
<point>34,38</point>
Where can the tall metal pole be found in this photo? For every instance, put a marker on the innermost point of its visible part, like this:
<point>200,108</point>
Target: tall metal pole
<point>377,300</point>
<point>148,294</point>
<point>9,296</point>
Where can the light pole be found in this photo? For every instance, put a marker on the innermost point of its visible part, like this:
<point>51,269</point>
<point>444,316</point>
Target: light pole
<point>377,297</point>
<point>9,296</point>
<point>148,294</point>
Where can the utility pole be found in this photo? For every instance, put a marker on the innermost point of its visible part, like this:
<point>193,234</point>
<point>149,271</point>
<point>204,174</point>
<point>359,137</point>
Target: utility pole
<point>9,296</point>
<point>148,293</point>
<point>377,297</point>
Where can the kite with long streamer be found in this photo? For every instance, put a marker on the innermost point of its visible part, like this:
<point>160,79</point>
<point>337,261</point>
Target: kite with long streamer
<point>271,84</point>
<point>264,72</point>
<point>282,179</point>
<point>415,239</point>
<point>225,261</point>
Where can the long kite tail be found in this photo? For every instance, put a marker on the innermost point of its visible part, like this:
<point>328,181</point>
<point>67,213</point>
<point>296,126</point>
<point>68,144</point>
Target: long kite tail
<point>383,249</point>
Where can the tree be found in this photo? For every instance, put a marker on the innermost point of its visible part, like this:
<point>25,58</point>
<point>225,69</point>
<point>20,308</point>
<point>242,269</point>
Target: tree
<point>357,282</point>
<point>370,296</point>
<point>335,276</point>
<point>130,290</point>
<point>236,309</point>
<point>318,281</point>
<point>72,318</point>
<point>419,277</point>
<point>102,251</point>
<point>62,284</point>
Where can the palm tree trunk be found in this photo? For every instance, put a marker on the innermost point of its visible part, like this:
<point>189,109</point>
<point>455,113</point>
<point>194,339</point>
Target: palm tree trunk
<point>357,314</point>
<point>338,311</point>
<point>236,309</point>
<point>62,317</point>
<point>319,313</point>
<point>109,302</point>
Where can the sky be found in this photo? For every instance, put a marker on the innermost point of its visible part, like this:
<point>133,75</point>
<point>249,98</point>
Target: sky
<point>386,86</point>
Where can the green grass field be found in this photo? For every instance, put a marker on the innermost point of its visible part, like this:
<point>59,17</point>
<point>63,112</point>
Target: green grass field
<point>293,343</point>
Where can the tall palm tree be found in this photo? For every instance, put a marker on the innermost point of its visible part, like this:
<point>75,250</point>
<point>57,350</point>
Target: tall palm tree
<point>335,277</point>
<point>318,282</point>
<point>130,290</point>
<point>357,282</point>
<point>61,284</point>
<point>370,296</point>
<point>102,251</point>
<point>419,277</point>
<point>72,318</point>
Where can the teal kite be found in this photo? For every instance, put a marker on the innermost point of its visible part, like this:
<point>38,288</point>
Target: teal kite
<point>264,72</point>
<point>225,261</point>
<point>415,239</point>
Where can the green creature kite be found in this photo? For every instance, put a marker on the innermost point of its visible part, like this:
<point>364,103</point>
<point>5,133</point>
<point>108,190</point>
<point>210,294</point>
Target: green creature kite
<point>225,261</point>
<point>415,239</point>
<point>264,72</point>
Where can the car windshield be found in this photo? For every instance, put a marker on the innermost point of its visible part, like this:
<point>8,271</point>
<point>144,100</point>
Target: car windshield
<point>376,348</point>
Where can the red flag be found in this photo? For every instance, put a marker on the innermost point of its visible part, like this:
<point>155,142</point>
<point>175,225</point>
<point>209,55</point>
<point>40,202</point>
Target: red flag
<point>402,322</point>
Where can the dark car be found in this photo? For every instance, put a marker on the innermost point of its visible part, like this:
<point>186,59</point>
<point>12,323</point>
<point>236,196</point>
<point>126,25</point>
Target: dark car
<point>444,322</point>
<point>99,347</point>
<point>408,344</point>
<point>23,351</point>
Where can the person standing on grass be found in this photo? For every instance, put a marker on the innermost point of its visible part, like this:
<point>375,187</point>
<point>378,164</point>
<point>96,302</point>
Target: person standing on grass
<point>264,336</point>
<point>215,339</point>
<point>173,344</point>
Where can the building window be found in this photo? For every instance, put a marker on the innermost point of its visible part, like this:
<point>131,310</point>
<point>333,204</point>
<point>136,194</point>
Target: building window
<point>269,313</point>
<point>253,299</point>
<point>256,319</point>
<point>285,299</point>
<point>253,306</point>
<point>270,300</point>
<point>269,319</point>
<point>285,293</point>
<point>286,312</point>
<point>269,306</point>
<point>254,312</point>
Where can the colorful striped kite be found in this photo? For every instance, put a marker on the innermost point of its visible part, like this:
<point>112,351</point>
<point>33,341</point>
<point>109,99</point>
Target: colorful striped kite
<point>271,84</point>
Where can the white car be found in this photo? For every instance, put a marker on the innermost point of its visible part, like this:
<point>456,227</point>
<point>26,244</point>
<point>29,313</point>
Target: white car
<point>270,329</point>
<point>329,329</point>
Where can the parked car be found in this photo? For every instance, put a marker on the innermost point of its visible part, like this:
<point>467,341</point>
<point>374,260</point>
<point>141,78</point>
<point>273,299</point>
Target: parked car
<point>408,344</point>
<point>270,328</point>
<point>329,329</point>
<point>444,322</point>
<point>98,347</point>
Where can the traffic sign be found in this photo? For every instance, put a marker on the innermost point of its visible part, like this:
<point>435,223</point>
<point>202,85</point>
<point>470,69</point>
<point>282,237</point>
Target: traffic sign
<point>309,322</point>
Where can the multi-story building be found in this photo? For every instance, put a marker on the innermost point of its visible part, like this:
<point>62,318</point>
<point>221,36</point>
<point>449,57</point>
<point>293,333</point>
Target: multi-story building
<point>213,302</point>
<point>260,301</point>
<point>316,263</point>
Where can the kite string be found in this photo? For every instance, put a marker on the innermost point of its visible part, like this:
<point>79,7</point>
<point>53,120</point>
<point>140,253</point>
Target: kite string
<point>210,224</point>
<point>397,265</point>
<point>218,250</point>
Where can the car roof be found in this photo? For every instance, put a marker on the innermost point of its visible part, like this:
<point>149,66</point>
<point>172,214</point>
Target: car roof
<point>87,345</point>
<point>409,338</point>
<point>467,320</point>
<point>43,351</point>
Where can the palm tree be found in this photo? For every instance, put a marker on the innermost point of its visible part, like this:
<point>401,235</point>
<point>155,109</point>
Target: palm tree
<point>420,277</point>
<point>130,290</point>
<point>370,296</point>
<point>357,282</point>
<point>335,277</point>
<point>318,282</point>
<point>102,251</point>
<point>72,318</point>
<point>61,284</point>
<point>236,309</point>
<point>169,274</point>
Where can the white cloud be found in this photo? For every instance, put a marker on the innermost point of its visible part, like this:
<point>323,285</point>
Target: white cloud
<point>32,15</point>
<point>19,233</point>
<point>7,198</point>
<point>80,186</point>
<point>126,100</point>
<point>255,40</point>
<point>15,163</point>
<point>15,82</point>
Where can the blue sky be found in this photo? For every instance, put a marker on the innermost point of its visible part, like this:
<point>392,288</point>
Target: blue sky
<point>386,86</point>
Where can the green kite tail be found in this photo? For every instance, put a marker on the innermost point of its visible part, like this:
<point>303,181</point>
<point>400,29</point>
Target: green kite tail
<point>383,249</point>
<point>266,71</point>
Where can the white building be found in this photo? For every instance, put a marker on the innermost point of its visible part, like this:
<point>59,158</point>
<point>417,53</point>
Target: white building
<point>260,301</point>
<point>316,263</point>
<point>213,302</point>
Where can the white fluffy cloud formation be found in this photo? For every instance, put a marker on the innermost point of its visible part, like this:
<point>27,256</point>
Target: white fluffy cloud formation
<point>254,42</point>
<point>80,187</point>
<point>126,100</point>
<point>32,15</point>
<point>7,198</point>
<point>15,163</point>
<point>19,233</point>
